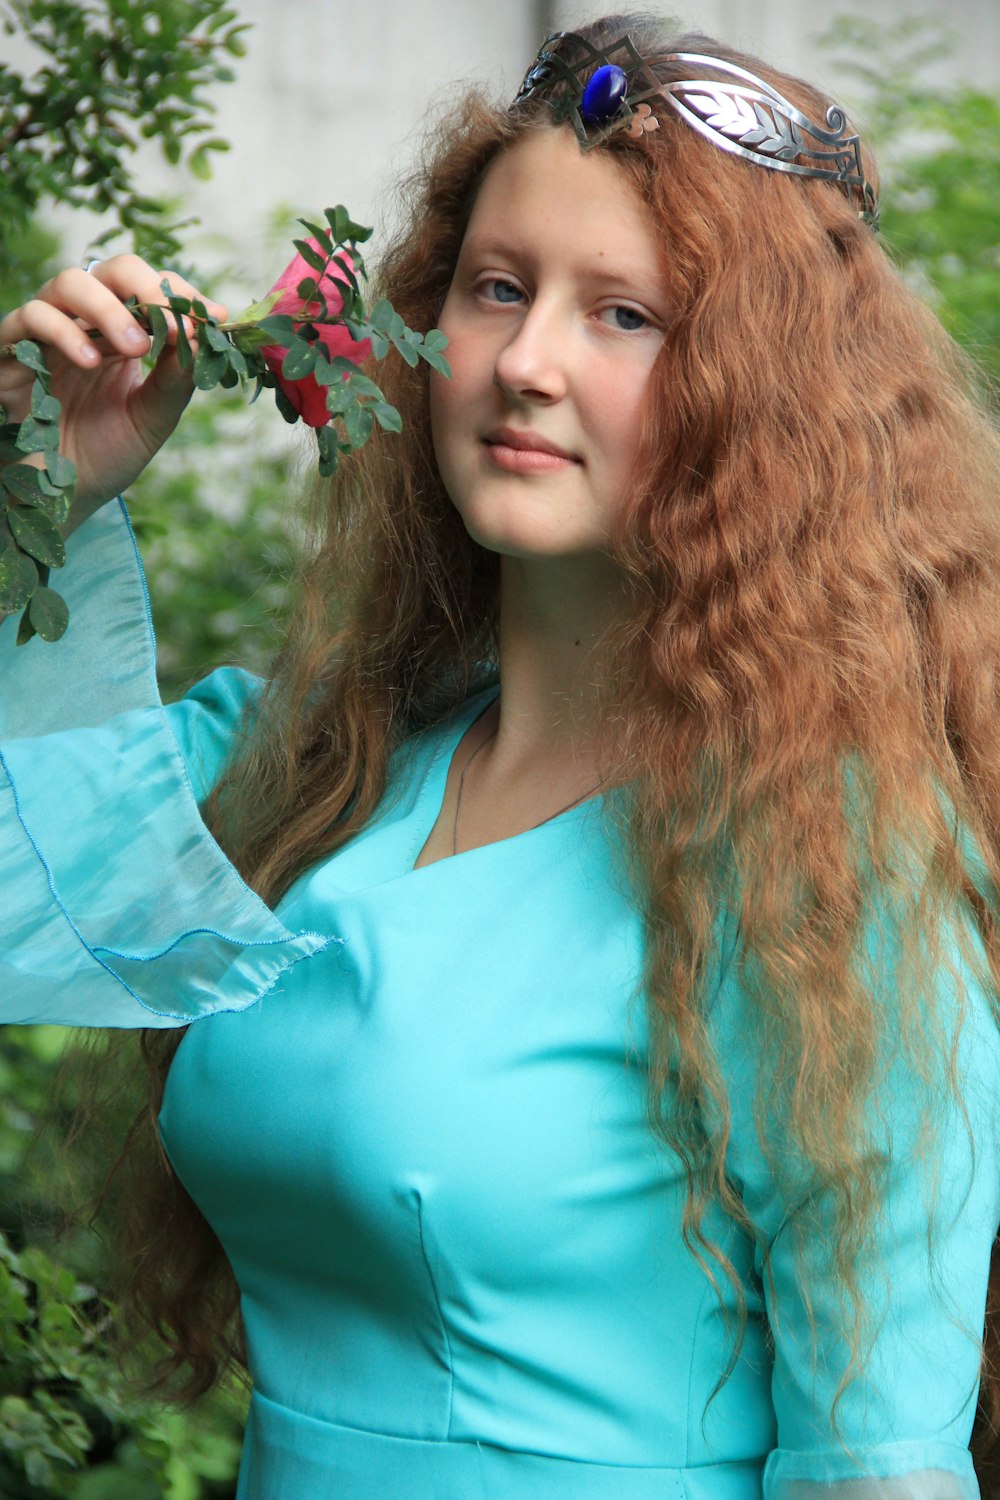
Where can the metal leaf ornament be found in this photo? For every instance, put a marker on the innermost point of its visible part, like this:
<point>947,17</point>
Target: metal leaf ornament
<point>747,121</point>
<point>752,119</point>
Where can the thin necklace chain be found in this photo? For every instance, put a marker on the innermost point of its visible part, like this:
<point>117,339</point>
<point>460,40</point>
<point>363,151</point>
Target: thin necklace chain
<point>461,787</point>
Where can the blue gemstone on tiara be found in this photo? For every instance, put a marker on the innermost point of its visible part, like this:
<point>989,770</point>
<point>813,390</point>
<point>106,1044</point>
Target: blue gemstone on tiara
<point>604,95</point>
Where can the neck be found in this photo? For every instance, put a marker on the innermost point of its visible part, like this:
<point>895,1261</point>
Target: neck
<point>554,613</point>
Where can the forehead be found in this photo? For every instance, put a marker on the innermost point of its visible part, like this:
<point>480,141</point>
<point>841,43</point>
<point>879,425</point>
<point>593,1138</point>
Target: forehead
<point>545,193</point>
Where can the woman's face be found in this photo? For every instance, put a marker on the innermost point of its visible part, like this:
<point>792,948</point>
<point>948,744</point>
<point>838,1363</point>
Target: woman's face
<point>554,318</point>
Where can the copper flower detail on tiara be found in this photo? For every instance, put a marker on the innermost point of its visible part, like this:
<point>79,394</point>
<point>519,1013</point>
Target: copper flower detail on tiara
<point>643,121</point>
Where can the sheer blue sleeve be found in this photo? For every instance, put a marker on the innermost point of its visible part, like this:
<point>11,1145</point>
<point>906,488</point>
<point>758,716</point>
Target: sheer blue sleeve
<point>903,1423</point>
<point>119,909</point>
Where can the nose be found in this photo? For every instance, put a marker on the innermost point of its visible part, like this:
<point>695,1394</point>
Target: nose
<point>532,365</point>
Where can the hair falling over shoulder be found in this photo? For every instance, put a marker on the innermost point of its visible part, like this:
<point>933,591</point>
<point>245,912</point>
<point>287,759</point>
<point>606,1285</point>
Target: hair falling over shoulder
<point>805,698</point>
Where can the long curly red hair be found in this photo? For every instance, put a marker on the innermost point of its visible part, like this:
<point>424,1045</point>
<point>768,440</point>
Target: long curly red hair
<point>813,548</point>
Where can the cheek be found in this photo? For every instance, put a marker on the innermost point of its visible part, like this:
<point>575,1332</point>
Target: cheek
<point>454,401</point>
<point>444,411</point>
<point>620,408</point>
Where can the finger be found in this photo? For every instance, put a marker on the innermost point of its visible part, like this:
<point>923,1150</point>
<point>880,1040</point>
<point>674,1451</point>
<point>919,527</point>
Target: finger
<point>68,305</point>
<point>129,276</point>
<point>49,323</point>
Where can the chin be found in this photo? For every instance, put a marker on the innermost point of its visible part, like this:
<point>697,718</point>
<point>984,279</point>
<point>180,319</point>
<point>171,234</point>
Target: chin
<point>523,532</point>
<point>527,541</point>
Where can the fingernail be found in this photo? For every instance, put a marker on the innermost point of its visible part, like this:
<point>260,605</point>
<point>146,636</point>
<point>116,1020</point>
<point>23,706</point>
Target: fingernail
<point>89,354</point>
<point>135,337</point>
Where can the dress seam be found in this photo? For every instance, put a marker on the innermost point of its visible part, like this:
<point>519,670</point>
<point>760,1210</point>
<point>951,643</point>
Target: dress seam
<point>440,1313</point>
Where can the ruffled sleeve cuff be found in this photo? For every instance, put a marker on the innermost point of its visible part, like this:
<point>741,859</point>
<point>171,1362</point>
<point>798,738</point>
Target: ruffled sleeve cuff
<point>896,1471</point>
<point>117,907</point>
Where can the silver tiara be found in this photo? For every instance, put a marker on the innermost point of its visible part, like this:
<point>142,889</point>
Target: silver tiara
<point>748,118</point>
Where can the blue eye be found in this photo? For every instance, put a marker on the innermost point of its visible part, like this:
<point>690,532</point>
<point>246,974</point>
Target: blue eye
<point>628,319</point>
<point>500,291</point>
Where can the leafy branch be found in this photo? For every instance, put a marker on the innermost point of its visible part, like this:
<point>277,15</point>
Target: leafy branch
<point>271,350</point>
<point>113,73</point>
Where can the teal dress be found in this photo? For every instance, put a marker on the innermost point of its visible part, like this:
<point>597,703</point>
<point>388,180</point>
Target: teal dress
<point>412,1106</point>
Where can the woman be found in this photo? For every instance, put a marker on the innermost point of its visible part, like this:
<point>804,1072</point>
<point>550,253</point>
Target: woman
<point>603,1103</point>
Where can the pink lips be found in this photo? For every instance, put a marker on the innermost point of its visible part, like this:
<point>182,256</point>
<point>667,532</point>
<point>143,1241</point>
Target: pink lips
<point>526,452</point>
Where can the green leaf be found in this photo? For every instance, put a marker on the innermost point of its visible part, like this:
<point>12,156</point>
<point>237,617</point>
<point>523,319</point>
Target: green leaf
<point>386,416</point>
<point>346,271</point>
<point>25,629</point>
<point>35,533</point>
<point>329,451</point>
<point>360,384</point>
<point>158,324</point>
<point>339,397</point>
<point>36,437</point>
<point>60,469</point>
<point>344,227</point>
<point>308,290</point>
<point>329,370</point>
<point>310,256</point>
<point>408,352</point>
<point>319,233</point>
<point>199,164</point>
<point>233,41</point>
<point>209,368</point>
<point>381,315</point>
<point>48,613</point>
<point>236,362</point>
<point>435,340</point>
<point>22,481</point>
<point>258,310</point>
<point>52,502</point>
<point>323,371</point>
<point>357,425</point>
<point>174,300</point>
<point>299,361</point>
<point>283,404</point>
<point>43,406</point>
<point>28,353</point>
<point>278,328</point>
<point>437,362</point>
<point>250,341</point>
<point>184,355</point>
<point>18,580</point>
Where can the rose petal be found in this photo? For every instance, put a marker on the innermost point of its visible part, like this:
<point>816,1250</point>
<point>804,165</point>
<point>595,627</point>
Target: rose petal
<point>307,396</point>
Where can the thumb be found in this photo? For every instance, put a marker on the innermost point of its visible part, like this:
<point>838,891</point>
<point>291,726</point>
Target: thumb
<point>158,403</point>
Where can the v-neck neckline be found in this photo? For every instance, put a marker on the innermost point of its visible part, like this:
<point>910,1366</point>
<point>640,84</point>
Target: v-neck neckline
<point>434,783</point>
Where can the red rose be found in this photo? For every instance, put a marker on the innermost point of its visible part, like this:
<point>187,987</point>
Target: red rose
<point>306,395</point>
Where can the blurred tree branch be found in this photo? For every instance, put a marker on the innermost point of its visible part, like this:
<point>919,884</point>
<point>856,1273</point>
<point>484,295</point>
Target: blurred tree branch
<point>111,73</point>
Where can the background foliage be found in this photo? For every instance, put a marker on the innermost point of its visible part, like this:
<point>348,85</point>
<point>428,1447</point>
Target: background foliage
<point>216,517</point>
<point>939,148</point>
<point>112,73</point>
